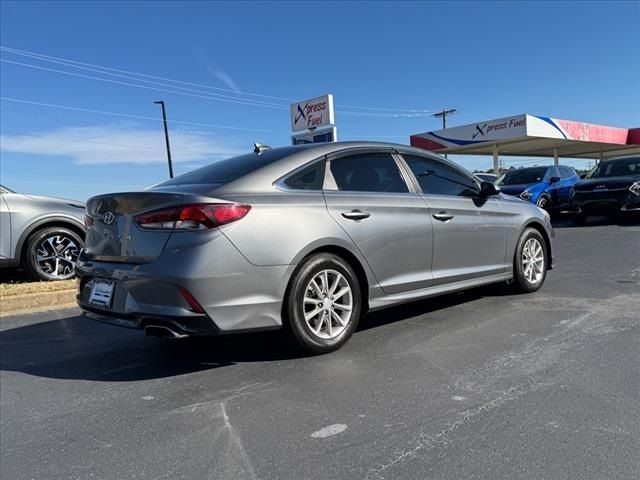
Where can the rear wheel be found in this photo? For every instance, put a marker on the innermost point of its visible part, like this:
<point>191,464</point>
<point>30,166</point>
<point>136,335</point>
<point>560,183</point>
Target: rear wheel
<point>51,254</point>
<point>324,303</point>
<point>530,262</point>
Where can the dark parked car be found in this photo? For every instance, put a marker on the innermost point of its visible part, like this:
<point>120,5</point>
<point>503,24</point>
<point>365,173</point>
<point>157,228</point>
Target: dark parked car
<point>550,188</point>
<point>43,234</point>
<point>306,238</point>
<point>612,188</point>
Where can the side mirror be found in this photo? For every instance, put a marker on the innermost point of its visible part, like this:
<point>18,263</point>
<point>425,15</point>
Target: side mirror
<point>554,179</point>
<point>487,189</point>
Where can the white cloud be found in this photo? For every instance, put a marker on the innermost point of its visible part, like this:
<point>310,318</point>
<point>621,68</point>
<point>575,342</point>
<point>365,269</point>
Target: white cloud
<point>119,144</point>
<point>225,78</point>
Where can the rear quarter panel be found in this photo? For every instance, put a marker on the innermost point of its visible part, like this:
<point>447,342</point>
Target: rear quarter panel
<point>282,228</point>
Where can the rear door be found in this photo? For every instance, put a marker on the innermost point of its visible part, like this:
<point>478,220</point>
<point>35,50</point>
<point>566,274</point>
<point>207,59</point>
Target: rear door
<point>369,197</point>
<point>470,232</point>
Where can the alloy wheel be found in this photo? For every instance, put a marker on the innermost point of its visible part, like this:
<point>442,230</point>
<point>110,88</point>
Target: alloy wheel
<point>533,261</point>
<point>543,203</point>
<point>57,255</point>
<point>328,304</point>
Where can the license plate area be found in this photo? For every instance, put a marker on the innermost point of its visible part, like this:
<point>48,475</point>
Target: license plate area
<point>101,293</point>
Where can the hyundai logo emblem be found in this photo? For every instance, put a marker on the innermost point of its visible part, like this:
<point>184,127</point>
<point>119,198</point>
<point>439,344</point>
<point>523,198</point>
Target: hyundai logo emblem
<point>108,218</point>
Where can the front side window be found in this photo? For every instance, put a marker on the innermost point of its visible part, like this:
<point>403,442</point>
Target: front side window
<point>436,178</point>
<point>368,172</point>
<point>554,172</point>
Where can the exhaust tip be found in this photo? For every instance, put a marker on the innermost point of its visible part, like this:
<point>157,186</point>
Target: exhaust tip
<point>162,332</point>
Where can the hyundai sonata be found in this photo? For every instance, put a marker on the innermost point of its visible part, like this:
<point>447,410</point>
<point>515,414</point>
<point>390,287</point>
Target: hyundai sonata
<point>306,238</point>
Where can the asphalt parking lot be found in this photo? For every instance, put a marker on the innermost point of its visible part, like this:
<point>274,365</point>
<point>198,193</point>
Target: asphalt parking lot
<point>481,384</point>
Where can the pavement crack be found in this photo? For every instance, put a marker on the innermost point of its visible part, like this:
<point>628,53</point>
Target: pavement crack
<point>427,442</point>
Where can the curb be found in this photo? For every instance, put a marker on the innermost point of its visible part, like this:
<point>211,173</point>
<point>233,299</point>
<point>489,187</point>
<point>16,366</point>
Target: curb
<point>19,304</point>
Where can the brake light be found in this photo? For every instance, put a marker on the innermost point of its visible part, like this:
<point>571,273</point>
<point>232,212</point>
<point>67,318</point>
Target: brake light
<point>88,221</point>
<point>193,217</point>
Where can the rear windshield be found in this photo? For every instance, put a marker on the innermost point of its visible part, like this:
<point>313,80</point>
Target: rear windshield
<point>526,175</point>
<point>230,169</point>
<point>616,168</point>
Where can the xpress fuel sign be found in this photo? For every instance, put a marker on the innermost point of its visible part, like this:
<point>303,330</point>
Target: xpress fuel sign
<point>312,114</point>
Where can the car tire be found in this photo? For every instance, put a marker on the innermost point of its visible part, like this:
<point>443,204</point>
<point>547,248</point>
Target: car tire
<point>323,304</point>
<point>51,254</point>
<point>530,261</point>
<point>544,203</point>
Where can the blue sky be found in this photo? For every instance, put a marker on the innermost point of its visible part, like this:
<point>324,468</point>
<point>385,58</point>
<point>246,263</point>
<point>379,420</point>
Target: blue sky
<point>388,65</point>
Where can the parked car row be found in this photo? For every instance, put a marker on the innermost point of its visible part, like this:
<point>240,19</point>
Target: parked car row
<point>611,188</point>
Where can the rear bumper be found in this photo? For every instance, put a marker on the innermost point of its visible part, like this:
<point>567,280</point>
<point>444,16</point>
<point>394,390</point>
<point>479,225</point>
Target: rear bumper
<point>234,294</point>
<point>187,326</point>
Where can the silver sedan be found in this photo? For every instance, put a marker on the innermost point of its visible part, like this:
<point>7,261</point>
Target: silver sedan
<point>305,238</point>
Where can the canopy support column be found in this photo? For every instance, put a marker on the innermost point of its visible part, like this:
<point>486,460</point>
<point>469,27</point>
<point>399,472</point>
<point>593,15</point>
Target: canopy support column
<point>496,161</point>
<point>555,156</point>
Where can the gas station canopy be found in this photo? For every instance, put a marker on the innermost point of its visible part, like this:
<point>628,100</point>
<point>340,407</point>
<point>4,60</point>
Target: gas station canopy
<point>532,136</point>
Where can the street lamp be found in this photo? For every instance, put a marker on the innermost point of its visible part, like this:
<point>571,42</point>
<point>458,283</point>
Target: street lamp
<point>166,136</point>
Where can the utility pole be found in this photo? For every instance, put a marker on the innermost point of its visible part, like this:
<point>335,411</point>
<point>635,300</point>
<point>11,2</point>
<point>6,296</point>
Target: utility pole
<point>443,114</point>
<point>166,136</point>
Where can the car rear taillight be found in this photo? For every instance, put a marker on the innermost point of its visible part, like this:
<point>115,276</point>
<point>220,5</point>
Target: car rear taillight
<point>193,217</point>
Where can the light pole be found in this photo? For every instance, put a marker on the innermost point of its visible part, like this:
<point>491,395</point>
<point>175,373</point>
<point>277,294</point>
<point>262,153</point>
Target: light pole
<point>166,136</point>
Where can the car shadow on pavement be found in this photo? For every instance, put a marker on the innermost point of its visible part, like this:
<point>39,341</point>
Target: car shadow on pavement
<point>75,348</point>
<point>79,349</point>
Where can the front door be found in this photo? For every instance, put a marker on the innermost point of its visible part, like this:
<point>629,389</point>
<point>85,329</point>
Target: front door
<point>470,232</point>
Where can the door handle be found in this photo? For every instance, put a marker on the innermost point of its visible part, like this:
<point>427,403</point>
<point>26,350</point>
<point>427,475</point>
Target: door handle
<point>356,215</point>
<point>442,216</point>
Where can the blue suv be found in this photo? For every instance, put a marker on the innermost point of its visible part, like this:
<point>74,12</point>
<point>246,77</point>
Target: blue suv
<point>549,188</point>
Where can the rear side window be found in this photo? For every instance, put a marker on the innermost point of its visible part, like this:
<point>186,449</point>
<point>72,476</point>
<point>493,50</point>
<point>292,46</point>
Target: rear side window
<point>436,178</point>
<point>370,172</point>
<point>309,178</point>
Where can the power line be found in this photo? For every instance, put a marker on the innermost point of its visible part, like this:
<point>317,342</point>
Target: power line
<point>207,97</point>
<point>139,117</point>
<point>180,122</point>
<point>391,113</point>
<point>443,114</point>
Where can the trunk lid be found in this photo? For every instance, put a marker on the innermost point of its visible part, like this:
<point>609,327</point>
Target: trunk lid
<point>114,236</point>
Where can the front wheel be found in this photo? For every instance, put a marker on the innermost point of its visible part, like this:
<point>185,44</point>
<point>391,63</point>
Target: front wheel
<point>543,203</point>
<point>51,254</point>
<point>323,304</point>
<point>530,261</point>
